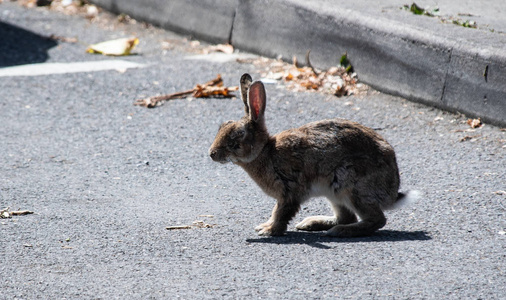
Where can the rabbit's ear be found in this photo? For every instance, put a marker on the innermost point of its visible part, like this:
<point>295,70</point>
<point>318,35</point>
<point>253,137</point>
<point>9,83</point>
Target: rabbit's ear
<point>256,101</point>
<point>245,84</point>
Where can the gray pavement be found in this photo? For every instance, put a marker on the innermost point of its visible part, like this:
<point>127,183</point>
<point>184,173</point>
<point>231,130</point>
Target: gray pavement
<point>423,59</point>
<point>105,178</point>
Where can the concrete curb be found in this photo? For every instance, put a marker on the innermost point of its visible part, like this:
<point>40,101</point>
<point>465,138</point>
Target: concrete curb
<point>450,67</point>
<point>209,20</point>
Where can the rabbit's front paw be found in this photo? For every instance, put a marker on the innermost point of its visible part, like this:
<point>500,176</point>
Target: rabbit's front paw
<point>270,230</point>
<point>262,226</point>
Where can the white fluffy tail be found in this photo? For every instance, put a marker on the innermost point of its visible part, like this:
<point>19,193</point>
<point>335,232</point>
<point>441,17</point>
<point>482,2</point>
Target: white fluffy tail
<point>405,199</point>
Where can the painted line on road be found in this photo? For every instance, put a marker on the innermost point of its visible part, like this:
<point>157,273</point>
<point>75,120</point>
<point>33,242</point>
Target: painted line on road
<point>65,68</point>
<point>218,57</point>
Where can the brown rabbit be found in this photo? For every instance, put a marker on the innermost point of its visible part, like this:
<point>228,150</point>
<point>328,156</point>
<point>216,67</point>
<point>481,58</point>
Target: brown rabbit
<point>350,164</point>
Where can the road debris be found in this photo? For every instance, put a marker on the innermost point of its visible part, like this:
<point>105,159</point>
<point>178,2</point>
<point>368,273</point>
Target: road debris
<point>212,88</point>
<point>469,137</point>
<point>6,213</point>
<point>64,39</point>
<point>118,47</point>
<point>195,224</point>
<point>225,48</point>
<point>339,81</point>
<point>435,12</point>
<point>178,227</point>
<point>474,123</point>
<point>69,7</point>
<point>417,10</point>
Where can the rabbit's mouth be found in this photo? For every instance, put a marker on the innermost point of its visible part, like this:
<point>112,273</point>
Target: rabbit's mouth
<point>218,156</point>
<point>225,161</point>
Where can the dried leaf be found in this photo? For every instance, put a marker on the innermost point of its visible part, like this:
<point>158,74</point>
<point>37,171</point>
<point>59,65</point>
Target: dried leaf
<point>225,48</point>
<point>474,123</point>
<point>339,80</point>
<point>117,47</point>
<point>211,91</point>
<point>212,88</point>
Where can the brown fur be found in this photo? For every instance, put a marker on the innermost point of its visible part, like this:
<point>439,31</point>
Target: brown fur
<point>350,164</point>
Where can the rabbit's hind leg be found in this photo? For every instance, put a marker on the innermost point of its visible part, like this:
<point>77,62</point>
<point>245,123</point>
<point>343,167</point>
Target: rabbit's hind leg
<point>317,223</point>
<point>342,215</point>
<point>372,219</point>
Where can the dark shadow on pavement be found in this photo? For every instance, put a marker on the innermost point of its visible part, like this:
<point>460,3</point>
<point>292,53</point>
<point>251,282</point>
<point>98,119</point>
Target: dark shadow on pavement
<point>315,239</point>
<point>19,46</point>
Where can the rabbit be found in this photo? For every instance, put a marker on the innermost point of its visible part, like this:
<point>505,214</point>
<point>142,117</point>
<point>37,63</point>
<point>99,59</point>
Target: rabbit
<point>348,163</point>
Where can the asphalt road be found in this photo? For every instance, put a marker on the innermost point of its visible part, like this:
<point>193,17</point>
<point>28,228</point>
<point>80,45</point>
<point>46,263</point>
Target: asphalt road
<point>105,178</point>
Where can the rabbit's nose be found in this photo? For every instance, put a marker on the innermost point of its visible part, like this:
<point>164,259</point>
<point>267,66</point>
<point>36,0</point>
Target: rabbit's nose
<point>213,153</point>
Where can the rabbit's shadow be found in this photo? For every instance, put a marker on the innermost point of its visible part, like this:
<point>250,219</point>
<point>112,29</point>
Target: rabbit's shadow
<point>317,240</point>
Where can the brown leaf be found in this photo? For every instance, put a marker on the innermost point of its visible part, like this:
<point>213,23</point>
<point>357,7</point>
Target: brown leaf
<point>212,88</point>
<point>211,91</point>
<point>340,91</point>
<point>225,48</point>
<point>474,123</point>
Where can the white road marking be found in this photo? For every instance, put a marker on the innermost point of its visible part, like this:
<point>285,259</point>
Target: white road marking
<point>64,68</point>
<point>219,57</point>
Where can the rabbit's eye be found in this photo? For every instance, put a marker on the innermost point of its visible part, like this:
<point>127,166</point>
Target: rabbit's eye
<point>239,134</point>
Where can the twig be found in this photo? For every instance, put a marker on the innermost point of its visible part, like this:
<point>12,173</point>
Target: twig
<point>153,101</point>
<point>195,224</point>
<point>21,212</point>
<point>178,227</point>
<point>6,213</point>
<point>211,88</point>
<point>308,62</point>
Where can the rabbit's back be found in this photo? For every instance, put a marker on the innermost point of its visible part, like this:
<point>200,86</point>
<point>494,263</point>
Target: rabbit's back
<point>335,139</point>
<point>336,154</point>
